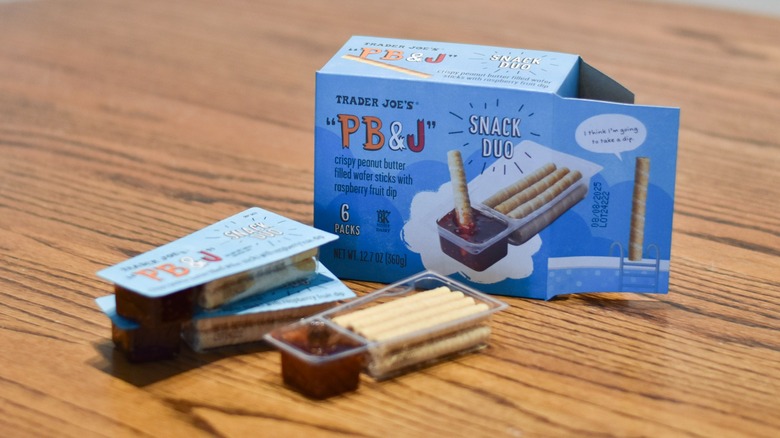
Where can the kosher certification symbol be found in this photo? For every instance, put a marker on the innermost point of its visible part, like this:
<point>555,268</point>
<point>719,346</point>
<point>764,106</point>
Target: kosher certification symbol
<point>383,220</point>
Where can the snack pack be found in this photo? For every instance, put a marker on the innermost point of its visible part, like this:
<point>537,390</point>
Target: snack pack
<point>413,323</point>
<point>165,291</point>
<point>243,321</point>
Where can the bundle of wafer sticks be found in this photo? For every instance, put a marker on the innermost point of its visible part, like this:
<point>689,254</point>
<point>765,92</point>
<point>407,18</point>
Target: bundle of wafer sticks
<point>405,334</point>
<point>522,198</point>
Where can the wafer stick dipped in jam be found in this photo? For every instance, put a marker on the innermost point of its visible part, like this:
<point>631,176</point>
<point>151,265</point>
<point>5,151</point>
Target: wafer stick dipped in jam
<point>467,234</point>
<point>464,214</point>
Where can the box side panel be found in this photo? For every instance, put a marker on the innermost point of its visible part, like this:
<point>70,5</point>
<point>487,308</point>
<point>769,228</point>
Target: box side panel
<point>570,85</point>
<point>629,202</point>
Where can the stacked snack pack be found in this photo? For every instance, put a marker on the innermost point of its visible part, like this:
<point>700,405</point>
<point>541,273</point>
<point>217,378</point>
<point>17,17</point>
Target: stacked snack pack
<point>228,283</point>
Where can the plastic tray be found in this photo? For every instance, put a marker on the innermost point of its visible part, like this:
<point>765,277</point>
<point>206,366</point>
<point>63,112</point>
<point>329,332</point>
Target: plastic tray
<point>483,253</point>
<point>317,348</point>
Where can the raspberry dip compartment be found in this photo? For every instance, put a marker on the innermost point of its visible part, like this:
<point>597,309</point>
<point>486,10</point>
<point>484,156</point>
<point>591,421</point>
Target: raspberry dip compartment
<point>319,359</point>
<point>479,246</point>
<point>473,237</point>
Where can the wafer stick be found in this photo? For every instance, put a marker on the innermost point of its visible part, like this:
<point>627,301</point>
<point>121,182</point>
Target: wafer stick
<point>431,322</point>
<point>231,329</point>
<point>243,280</point>
<point>540,222</point>
<point>258,283</point>
<point>638,206</point>
<point>412,315</point>
<point>546,196</point>
<point>405,70</point>
<point>201,339</point>
<point>390,314</point>
<point>513,189</point>
<point>532,191</point>
<point>380,310</point>
<point>371,329</point>
<point>460,190</point>
<point>382,365</point>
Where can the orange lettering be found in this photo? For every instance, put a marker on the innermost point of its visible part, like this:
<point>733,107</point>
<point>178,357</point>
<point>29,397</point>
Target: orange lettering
<point>368,51</point>
<point>393,55</point>
<point>438,59</point>
<point>373,125</point>
<point>349,126</point>
<point>151,273</point>
<point>173,269</point>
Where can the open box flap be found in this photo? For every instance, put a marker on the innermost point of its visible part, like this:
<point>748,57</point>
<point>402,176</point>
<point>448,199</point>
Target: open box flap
<point>595,85</point>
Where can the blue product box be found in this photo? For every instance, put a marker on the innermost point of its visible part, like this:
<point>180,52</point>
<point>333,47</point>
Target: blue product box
<point>519,172</point>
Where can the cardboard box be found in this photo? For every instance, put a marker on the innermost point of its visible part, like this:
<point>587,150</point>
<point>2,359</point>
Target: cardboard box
<point>390,114</point>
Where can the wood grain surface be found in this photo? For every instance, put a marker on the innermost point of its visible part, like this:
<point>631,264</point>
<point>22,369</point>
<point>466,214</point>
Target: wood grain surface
<point>124,125</point>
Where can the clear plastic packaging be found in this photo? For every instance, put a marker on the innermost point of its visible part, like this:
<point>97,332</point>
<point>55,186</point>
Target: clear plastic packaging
<point>435,318</point>
<point>478,250</point>
<point>318,359</point>
<point>527,227</point>
<point>493,231</point>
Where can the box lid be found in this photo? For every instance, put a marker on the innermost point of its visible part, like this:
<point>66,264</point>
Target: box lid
<point>495,67</point>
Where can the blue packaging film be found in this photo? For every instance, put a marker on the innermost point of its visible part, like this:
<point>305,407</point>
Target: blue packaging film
<point>244,241</point>
<point>569,184</point>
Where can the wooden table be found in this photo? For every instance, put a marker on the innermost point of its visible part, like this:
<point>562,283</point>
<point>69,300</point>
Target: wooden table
<point>124,125</point>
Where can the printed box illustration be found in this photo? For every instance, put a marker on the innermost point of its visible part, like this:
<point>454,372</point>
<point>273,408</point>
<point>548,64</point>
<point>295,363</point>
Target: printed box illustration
<point>519,172</point>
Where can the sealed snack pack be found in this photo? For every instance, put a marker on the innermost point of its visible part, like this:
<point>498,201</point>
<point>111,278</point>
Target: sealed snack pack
<point>416,322</point>
<point>518,172</point>
<point>214,286</point>
<point>244,321</point>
